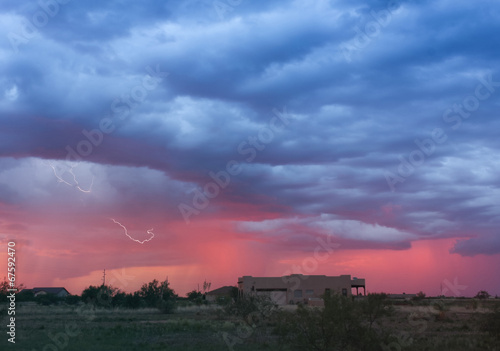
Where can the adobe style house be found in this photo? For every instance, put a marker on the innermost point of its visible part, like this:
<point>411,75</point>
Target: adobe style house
<point>295,288</point>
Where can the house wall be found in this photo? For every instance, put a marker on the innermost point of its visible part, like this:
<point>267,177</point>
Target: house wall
<point>61,293</point>
<point>294,288</point>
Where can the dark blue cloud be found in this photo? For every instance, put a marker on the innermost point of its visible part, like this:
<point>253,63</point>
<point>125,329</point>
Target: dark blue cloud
<point>356,101</point>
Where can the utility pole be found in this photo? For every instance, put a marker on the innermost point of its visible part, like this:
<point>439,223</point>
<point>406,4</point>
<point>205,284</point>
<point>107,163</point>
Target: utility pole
<point>104,278</point>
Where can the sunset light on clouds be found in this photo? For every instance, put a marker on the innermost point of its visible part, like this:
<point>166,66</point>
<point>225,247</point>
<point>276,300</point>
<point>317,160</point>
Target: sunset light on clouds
<point>179,139</point>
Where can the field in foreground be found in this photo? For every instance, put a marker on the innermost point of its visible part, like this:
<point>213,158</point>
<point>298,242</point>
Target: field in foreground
<point>454,326</point>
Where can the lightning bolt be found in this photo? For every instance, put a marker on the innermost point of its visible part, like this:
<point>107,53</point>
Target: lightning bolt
<point>150,232</point>
<point>76,184</point>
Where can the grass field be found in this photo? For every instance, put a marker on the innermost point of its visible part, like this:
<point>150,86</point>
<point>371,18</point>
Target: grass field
<point>451,326</point>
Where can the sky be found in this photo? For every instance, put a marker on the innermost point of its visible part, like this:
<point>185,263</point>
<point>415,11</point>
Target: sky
<point>207,140</point>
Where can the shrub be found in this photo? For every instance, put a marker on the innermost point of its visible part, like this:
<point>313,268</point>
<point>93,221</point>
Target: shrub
<point>26,295</point>
<point>482,295</point>
<point>47,299</point>
<point>442,308</point>
<point>375,306</point>
<point>419,297</point>
<point>491,324</point>
<point>167,305</point>
<point>246,305</point>
<point>72,299</point>
<point>195,297</point>
<point>337,326</point>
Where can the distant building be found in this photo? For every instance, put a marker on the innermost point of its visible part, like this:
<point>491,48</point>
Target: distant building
<point>402,296</point>
<point>59,292</point>
<point>296,288</point>
<point>223,292</point>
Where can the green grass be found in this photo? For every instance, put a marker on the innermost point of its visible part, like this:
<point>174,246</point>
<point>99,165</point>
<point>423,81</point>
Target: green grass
<point>203,327</point>
<point>144,329</point>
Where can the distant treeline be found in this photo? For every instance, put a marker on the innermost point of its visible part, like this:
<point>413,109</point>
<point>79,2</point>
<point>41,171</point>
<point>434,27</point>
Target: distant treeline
<point>154,294</point>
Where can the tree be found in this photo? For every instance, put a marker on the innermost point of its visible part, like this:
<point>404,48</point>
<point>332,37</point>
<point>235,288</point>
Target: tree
<point>483,294</point>
<point>151,293</point>
<point>134,300</point>
<point>158,295</point>
<point>4,289</point>
<point>195,296</point>
<point>4,286</point>
<point>206,287</point>
<point>119,299</point>
<point>99,296</point>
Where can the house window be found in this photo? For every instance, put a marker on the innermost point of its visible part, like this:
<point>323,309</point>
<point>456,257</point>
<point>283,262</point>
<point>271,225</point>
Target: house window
<point>344,292</point>
<point>297,294</point>
<point>309,292</point>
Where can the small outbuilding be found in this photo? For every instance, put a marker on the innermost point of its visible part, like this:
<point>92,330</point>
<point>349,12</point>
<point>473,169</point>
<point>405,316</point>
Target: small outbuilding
<point>225,292</point>
<point>402,296</point>
<point>59,292</point>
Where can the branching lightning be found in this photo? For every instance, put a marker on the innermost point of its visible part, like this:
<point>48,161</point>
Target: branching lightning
<point>76,184</point>
<point>150,232</point>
